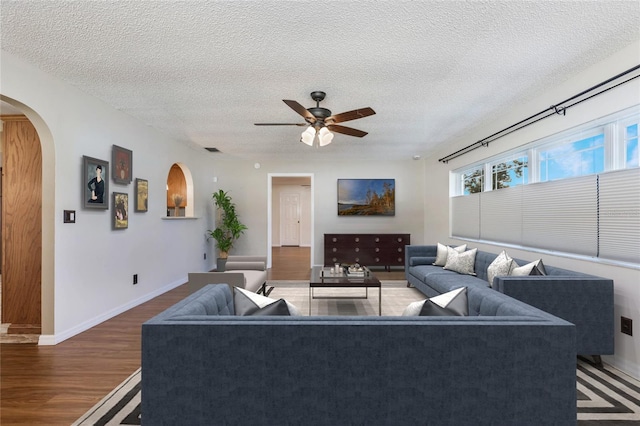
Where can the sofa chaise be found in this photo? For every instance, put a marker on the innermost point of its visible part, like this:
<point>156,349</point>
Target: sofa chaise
<point>506,363</point>
<point>582,299</point>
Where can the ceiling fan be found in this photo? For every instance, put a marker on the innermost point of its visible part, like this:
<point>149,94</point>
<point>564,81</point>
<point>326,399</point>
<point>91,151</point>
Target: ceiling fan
<point>320,121</point>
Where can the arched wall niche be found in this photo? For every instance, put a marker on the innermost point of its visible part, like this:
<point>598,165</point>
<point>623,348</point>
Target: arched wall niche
<point>180,183</point>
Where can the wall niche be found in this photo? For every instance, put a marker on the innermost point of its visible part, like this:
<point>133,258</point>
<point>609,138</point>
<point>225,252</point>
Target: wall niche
<point>179,191</point>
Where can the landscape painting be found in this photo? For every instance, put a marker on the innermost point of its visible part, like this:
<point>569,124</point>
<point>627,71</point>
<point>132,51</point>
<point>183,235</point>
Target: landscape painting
<point>366,197</point>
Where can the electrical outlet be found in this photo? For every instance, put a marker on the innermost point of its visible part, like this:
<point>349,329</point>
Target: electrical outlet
<point>626,326</point>
<point>135,278</point>
<point>205,256</point>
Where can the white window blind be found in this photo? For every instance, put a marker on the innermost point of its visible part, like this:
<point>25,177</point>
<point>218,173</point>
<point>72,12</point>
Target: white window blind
<point>465,216</point>
<point>561,215</point>
<point>620,215</point>
<point>501,215</point>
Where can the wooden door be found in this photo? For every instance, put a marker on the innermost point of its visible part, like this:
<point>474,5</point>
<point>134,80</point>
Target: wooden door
<point>21,226</point>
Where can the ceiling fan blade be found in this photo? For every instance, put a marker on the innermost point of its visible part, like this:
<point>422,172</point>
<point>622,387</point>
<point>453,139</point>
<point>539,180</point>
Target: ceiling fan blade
<point>346,130</point>
<point>300,110</point>
<point>281,124</point>
<point>350,115</point>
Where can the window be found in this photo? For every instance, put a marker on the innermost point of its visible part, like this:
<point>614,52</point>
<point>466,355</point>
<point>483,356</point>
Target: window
<point>579,158</point>
<point>473,181</point>
<point>631,146</point>
<point>507,174</point>
<point>573,192</point>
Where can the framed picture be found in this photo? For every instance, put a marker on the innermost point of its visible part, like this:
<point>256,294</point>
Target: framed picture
<point>120,210</point>
<point>122,160</point>
<point>95,183</point>
<point>366,197</point>
<point>142,195</point>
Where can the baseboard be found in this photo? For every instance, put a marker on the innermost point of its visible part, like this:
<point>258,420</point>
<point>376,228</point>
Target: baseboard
<point>54,339</point>
<point>627,367</point>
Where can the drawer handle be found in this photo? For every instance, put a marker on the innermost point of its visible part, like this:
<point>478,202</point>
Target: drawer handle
<point>377,249</point>
<point>357,259</point>
<point>357,249</point>
<point>399,250</point>
<point>334,249</point>
<point>335,239</point>
<point>377,259</point>
<point>357,239</point>
<point>399,239</point>
<point>377,240</point>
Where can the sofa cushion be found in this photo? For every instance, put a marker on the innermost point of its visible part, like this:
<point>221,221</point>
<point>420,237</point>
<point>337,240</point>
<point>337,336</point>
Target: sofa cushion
<point>443,253</point>
<point>462,263</point>
<point>533,268</point>
<point>246,302</point>
<point>502,265</point>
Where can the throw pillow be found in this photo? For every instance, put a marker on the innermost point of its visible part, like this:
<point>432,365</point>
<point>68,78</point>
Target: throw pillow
<point>443,252</point>
<point>248,303</point>
<point>462,263</point>
<point>533,268</point>
<point>453,303</point>
<point>501,266</point>
<point>413,309</point>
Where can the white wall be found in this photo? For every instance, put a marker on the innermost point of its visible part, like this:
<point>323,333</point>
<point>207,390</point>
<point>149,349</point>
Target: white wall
<point>248,187</point>
<point>626,280</point>
<point>88,267</point>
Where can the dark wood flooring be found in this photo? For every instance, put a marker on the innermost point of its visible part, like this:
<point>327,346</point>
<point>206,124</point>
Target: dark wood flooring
<point>55,385</point>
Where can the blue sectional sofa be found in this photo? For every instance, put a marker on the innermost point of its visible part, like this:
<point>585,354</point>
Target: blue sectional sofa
<point>510,363</point>
<point>582,299</point>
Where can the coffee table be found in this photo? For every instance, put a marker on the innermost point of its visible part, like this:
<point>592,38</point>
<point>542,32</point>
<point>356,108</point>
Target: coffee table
<point>318,279</point>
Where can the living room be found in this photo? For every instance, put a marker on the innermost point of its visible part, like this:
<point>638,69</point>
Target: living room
<point>87,267</point>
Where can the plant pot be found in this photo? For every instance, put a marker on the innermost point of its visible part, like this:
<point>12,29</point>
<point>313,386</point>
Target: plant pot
<point>221,264</point>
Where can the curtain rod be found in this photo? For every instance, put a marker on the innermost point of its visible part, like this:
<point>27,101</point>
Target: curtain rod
<point>556,109</point>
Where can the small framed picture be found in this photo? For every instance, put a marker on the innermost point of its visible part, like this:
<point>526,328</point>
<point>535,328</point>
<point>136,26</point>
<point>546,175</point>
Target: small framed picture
<point>95,183</point>
<point>122,160</point>
<point>120,210</point>
<point>142,195</point>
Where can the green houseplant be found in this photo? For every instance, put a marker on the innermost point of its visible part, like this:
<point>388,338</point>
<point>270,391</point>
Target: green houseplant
<point>229,228</point>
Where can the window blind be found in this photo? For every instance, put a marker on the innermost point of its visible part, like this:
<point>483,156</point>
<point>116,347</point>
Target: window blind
<point>501,215</point>
<point>620,215</point>
<point>561,215</point>
<point>465,216</point>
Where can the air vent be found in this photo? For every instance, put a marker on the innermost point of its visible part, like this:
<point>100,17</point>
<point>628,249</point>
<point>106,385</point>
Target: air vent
<point>212,149</point>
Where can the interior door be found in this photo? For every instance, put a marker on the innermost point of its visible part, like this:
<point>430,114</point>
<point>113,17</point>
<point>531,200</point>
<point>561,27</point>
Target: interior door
<point>289,219</point>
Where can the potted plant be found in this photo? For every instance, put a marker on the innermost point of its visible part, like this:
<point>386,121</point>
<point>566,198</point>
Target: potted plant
<point>228,228</point>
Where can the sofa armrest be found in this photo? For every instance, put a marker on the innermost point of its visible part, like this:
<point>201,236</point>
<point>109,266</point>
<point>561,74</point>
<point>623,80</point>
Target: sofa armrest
<point>415,251</point>
<point>585,301</point>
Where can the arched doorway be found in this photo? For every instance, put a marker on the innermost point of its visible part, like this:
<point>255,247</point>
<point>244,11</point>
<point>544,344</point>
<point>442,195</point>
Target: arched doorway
<point>27,299</point>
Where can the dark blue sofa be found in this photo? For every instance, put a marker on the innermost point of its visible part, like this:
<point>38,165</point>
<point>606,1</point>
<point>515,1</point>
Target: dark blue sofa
<point>510,363</point>
<point>582,299</point>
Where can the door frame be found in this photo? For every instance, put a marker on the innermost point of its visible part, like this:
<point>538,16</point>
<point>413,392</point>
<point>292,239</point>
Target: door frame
<point>270,177</point>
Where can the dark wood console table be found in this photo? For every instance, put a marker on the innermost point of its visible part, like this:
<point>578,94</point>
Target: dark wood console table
<point>366,249</point>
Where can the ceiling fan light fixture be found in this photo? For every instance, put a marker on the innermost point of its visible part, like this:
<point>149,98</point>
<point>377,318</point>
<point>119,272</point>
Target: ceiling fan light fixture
<point>308,136</point>
<point>324,137</point>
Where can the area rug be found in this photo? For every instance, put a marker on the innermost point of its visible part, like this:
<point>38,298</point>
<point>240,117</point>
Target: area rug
<point>606,396</point>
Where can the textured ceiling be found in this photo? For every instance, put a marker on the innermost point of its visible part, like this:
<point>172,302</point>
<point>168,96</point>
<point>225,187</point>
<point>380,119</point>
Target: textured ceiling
<point>205,71</point>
